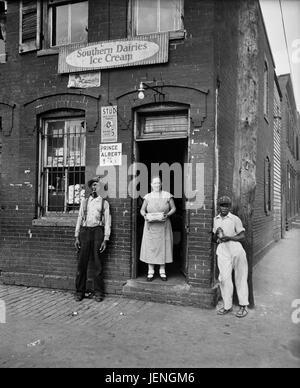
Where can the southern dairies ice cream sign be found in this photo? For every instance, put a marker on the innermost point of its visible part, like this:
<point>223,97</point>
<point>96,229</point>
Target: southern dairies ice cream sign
<point>105,54</point>
<point>141,50</point>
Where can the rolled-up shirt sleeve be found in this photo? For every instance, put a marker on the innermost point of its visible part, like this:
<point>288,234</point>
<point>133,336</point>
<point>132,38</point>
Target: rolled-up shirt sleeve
<point>79,219</point>
<point>107,221</point>
<point>238,225</point>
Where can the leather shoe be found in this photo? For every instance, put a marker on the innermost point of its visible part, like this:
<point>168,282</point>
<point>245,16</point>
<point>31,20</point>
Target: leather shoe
<point>163,278</point>
<point>78,298</point>
<point>150,278</point>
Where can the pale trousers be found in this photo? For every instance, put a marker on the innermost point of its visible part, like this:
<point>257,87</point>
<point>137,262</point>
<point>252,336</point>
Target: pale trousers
<point>239,264</point>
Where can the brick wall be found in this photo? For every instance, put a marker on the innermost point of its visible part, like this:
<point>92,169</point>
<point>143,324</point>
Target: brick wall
<point>263,221</point>
<point>288,123</point>
<point>44,255</point>
<point>277,198</point>
<point>226,42</point>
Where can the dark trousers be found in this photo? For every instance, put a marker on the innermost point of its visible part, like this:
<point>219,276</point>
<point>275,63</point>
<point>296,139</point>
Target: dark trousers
<point>90,243</point>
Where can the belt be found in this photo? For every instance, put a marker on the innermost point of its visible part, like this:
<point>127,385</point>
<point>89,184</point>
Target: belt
<point>92,227</point>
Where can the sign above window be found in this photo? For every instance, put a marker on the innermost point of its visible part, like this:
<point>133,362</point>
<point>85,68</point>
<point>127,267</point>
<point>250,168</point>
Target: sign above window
<point>142,50</point>
<point>85,80</point>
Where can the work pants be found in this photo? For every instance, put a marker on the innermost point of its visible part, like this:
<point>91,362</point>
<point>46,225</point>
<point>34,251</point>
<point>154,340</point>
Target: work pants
<point>90,243</point>
<point>238,263</point>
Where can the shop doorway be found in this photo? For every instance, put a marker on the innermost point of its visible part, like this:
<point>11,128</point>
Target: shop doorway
<point>165,151</point>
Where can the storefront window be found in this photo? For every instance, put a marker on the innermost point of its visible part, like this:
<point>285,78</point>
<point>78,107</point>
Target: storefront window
<point>63,165</point>
<point>154,16</point>
<point>69,23</point>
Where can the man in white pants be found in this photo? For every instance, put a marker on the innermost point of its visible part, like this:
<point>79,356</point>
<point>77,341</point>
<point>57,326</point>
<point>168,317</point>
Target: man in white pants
<point>228,233</point>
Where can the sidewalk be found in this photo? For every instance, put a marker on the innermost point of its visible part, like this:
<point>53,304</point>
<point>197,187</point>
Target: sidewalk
<point>47,328</point>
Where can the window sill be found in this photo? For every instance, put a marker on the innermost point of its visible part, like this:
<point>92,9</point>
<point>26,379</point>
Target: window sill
<point>55,49</point>
<point>50,51</point>
<point>176,35</point>
<point>56,221</point>
<point>173,35</point>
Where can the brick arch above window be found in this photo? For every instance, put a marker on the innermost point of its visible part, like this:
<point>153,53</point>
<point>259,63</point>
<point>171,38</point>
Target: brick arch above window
<point>62,102</point>
<point>195,98</point>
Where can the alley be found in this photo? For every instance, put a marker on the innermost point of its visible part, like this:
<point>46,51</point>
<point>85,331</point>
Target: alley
<point>46,328</point>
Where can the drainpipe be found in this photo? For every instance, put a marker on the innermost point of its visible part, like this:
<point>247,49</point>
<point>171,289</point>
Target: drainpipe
<point>216,173</point>
<point>215,282</point>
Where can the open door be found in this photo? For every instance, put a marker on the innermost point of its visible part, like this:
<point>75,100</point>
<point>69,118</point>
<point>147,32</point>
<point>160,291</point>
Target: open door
<point>165,151</point>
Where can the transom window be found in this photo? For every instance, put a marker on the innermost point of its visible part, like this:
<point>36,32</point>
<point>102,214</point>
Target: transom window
<point>63,146</point>
<point>69,23</point>
<point>168,124</point>
<point>154,16</point>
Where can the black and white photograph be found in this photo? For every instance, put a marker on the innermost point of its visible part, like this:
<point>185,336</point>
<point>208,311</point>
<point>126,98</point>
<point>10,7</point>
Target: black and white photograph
<point>149,187</point>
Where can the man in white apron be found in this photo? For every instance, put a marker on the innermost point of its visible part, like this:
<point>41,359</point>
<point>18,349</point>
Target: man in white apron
<point>228,233</point>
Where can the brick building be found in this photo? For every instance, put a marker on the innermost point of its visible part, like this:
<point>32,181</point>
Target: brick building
<point>185,82</point>
<point>290,166</point>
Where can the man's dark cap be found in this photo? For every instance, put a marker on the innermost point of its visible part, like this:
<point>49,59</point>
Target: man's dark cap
<point>93,180</point>
<point>224,200</point>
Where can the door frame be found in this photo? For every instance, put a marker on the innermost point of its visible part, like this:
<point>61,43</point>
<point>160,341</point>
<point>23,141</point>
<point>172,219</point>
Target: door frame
<point>135,159</point>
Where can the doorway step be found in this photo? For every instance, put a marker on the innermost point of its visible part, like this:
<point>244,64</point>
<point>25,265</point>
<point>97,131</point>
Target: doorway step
<point>175,291</point>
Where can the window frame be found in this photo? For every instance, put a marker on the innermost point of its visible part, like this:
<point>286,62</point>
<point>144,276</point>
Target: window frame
<point>48,23</point>
<point>132,24</point>
<point>31,43</point>
<point>43,193</point>
<point>163,111</point>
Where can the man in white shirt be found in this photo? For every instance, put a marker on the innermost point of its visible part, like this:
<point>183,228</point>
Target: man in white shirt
<point>91,236</point>
<point>228,233</point>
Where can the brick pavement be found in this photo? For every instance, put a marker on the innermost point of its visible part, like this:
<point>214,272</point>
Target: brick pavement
<point>58,306</point>
<point>42,330</point>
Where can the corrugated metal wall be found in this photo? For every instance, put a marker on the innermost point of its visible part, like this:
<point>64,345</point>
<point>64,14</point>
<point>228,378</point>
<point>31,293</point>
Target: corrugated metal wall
<point>277,166</point>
